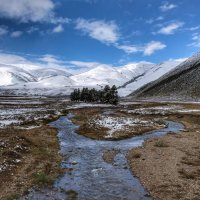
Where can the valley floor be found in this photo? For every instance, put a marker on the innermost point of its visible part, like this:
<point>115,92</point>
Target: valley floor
<point>168,167</point>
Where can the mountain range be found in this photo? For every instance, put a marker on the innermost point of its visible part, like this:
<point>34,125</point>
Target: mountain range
<point>21,79</point>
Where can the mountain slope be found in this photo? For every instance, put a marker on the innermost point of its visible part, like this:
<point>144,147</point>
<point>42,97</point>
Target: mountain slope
<point>11,75</point>
<point>148,73</point>
<point>43,72</point>
<point>21,79</point>
<point>99,76</point>
<point>182,83</point>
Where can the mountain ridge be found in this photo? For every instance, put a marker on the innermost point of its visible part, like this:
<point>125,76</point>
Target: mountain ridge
<point>127,78</point>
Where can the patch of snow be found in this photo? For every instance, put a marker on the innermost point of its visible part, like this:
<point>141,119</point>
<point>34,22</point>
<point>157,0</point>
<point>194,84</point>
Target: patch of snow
<point>7,122</point>
<point>147,75</point>
<point>115,124</point>
<point>85,105</point>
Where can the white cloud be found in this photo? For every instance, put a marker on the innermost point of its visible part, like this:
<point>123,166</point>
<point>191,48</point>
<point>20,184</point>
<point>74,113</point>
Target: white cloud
<point>58,29</point>
<point>82,64</point>
<point>106,32</point>
<point>196,40</point>
<point>45,61</point>
<point>170,29</point>
<point>153,46</point>
<point>76,67</point>
<point>32,29</point>
<point>147,49</point>
<point>194,28</point>
<point>16,34</point>
<point>3,30</point>
<point>11,58</point>
<point>48,58</point>
<point>152,20</point>
<point>167,6</point>
<point>129,48</point>
<point>30,11</point>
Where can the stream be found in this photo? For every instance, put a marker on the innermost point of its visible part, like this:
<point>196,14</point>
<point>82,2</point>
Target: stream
<point>91,177</point>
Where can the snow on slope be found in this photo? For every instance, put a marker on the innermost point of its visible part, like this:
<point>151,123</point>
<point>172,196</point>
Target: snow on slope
<point>41,80</point>
<point>52,82</point>
<point>132,70</point>
<point>101,75</point>
<point>10,75</point>
<point>154,72</point>
<point>41,72</point>
<point>181,83</point>
<point>57,85</point>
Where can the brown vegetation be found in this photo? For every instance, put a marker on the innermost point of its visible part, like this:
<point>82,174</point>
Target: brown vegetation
<point>28,157</point>
<point>84,116</point>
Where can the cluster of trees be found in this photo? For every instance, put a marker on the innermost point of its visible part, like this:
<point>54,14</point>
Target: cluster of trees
<point>106,95</point>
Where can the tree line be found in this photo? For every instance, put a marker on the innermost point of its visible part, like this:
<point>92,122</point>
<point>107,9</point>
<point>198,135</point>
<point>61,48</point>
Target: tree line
<point>108,95</point>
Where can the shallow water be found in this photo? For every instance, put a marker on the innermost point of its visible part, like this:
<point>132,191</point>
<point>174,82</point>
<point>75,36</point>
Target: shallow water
<point>91,177</point>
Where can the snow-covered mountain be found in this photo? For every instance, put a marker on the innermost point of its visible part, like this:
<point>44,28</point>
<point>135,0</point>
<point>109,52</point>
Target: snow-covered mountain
<point>99,76</point>
<point>43,72</point>
<point>40,80</point>
<point>181,83</point>
<point>145,74</point>
<point>132,70</point>
<point>11,75</point>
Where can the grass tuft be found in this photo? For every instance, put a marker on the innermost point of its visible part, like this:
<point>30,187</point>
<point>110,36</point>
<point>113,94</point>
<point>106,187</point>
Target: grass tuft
<point>41,178</point>
<point>161,143</point>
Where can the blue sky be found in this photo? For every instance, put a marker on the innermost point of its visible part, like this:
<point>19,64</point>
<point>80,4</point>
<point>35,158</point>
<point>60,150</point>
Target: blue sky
<point>75,33</point>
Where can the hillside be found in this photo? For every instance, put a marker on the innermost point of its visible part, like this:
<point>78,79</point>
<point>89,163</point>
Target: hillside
<point>182,83</point>
<point>146,73</point>
<point>11,75</point>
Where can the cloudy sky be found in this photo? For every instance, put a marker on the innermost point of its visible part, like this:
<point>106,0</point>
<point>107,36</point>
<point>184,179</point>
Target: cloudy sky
<point>83,33</point>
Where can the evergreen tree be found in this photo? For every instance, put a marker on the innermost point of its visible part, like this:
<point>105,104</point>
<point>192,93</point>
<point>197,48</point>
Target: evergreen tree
<point>106,95</point>
<point>114,98</point>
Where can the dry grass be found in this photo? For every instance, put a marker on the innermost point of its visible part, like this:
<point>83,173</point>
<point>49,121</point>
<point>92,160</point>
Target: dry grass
<point>84,116</point>
<point>37,149</point>
<point>161,143</point>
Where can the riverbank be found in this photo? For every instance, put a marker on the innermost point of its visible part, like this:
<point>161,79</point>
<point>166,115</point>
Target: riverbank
<point>169,167</point>
<point>28,158</point>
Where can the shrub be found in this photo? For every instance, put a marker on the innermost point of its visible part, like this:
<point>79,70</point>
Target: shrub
<point>161,143</point>
<point>42,178</point>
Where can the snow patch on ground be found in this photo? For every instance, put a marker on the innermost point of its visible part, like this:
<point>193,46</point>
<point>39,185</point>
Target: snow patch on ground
<point>85,105</point>
<point>8,122</point>
<point>115,124</point>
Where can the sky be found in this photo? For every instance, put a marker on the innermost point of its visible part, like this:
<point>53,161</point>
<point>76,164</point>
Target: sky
<point>80,34</point>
